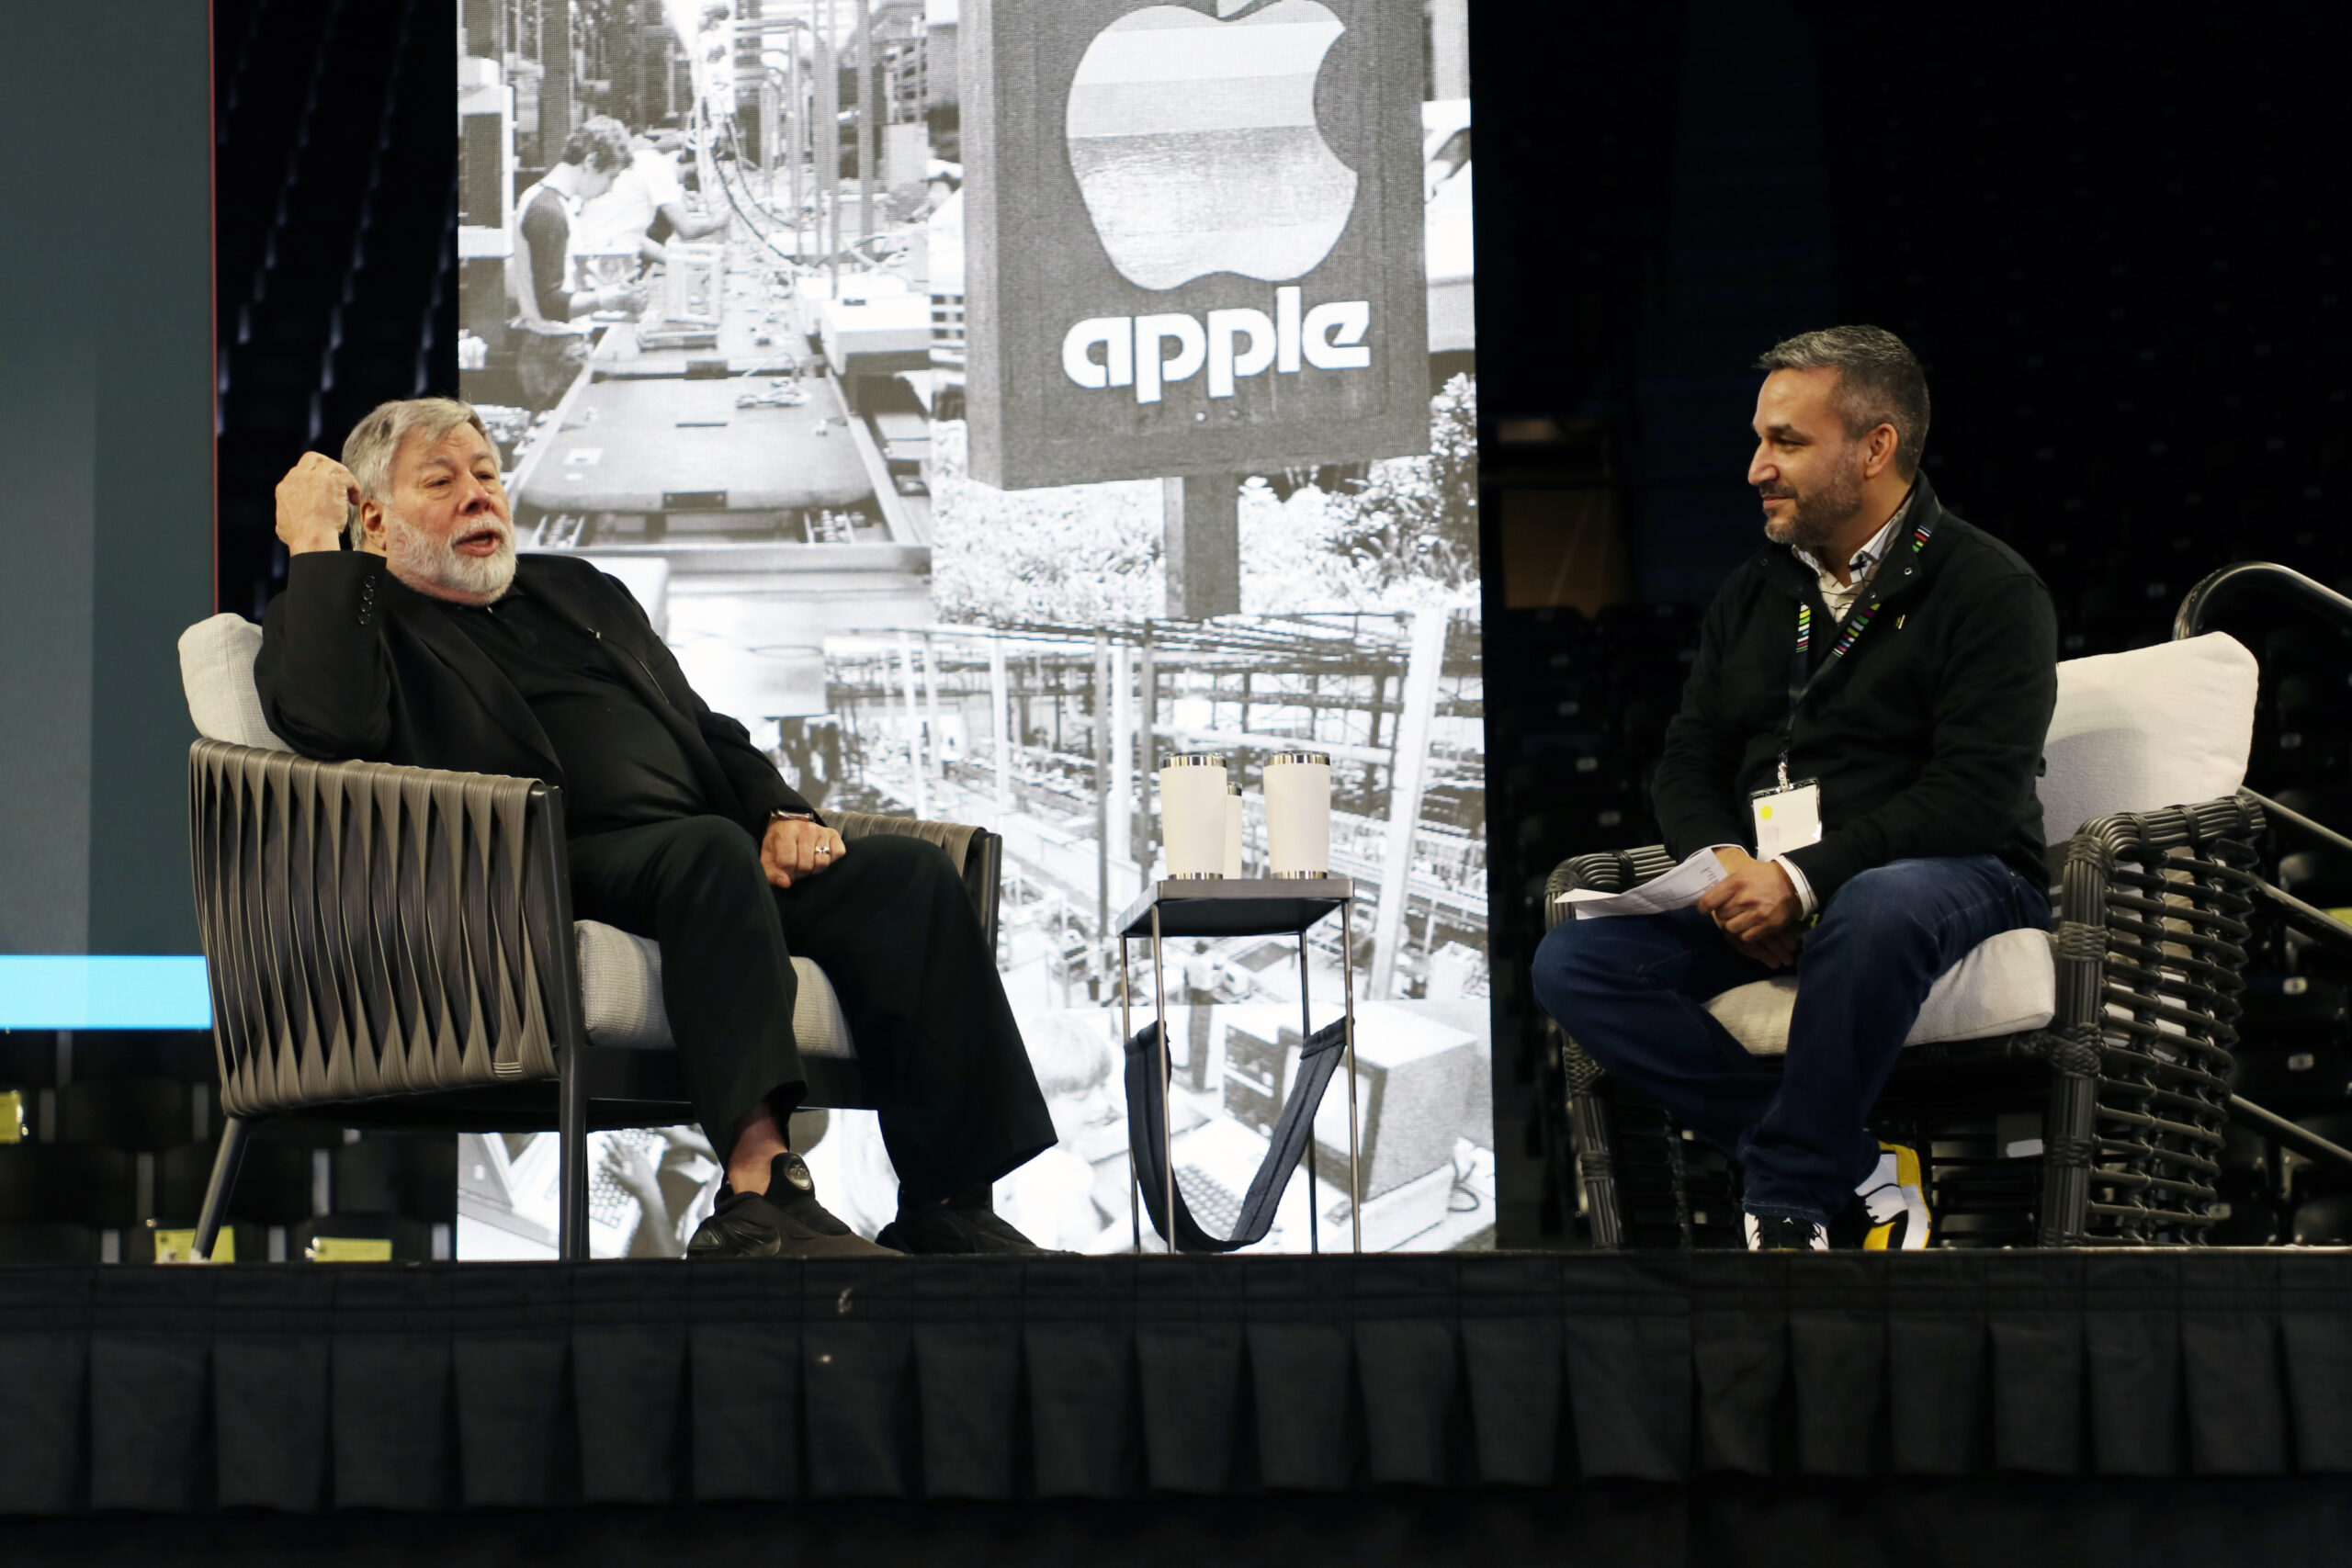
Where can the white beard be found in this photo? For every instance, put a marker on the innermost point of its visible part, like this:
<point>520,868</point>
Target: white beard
<point>428,565</point>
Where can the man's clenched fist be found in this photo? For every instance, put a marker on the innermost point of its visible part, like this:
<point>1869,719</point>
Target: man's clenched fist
<point>1756,905</point>
<point>313,499</point>
<point>795,847</point>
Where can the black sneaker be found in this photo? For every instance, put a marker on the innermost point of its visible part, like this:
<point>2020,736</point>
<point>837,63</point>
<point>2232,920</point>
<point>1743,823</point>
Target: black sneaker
<point>944,1231</point>
<point>1783,1232</point>
<point>785,1221</point>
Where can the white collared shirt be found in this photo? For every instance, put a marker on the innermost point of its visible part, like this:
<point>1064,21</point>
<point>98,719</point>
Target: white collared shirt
<point>1841,597</point>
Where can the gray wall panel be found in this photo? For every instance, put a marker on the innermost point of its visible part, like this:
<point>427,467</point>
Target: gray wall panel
<point>106,468</point>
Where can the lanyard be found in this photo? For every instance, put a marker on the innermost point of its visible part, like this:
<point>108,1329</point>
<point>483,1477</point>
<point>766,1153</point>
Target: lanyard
<point>1800,681</point>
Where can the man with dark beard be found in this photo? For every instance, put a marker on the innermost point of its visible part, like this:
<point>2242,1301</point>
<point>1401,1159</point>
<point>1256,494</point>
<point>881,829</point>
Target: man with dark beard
<point>1857,745</point>
<point>430,642</point>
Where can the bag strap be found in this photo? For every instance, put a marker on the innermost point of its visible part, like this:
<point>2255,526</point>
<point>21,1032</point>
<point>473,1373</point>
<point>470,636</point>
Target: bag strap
<point>1148,1120</point>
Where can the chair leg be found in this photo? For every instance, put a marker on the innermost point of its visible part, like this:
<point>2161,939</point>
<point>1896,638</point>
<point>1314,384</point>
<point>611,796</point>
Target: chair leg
<point>225,1164</point>
<point>571,1161</point>
<point>1595,1155</point>
<point>2070,1126</point>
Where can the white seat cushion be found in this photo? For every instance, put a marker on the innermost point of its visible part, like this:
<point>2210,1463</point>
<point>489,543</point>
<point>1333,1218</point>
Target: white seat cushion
<point>2004,985</point>
<point>217,674</point>
<point>2170,725</point>
<point>620,991</point>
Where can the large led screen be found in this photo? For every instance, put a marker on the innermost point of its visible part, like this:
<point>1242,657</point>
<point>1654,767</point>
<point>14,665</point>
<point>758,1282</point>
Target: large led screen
<point>985,407</point>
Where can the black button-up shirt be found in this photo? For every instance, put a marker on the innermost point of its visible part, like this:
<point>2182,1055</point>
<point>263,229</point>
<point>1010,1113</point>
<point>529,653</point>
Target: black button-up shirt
<point>622,767</point>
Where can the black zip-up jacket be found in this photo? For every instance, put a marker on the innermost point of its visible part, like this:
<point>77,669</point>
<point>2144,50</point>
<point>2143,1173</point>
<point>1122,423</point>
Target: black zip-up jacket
<point>1927,738</point>
<point>355,664</point>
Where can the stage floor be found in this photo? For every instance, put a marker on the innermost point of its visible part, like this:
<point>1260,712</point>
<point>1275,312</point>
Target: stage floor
<point>443,1387</point>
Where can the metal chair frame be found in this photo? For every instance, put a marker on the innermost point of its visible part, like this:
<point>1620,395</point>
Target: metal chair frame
<point>395,944</point>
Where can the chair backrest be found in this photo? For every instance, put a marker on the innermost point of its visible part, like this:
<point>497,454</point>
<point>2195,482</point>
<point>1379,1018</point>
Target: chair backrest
<point>217,674</point>
<point>2170,725</point>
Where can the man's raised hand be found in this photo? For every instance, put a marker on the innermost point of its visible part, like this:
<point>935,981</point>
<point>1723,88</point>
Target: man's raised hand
<point>313,499</point>
<point>795,847</point>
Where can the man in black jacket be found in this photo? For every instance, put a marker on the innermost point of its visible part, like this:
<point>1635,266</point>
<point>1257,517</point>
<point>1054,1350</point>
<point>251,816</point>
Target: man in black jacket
<point>1857,745</point>
<point>431,642</point>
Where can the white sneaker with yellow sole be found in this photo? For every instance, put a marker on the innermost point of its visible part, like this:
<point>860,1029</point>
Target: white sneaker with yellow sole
<point>1896,1198</point>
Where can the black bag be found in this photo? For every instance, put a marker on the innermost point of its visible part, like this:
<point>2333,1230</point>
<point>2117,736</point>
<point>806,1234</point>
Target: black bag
<point>1148,1119</point>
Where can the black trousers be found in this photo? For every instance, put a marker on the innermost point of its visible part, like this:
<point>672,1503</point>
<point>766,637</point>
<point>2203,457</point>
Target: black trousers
<point>893,929</point>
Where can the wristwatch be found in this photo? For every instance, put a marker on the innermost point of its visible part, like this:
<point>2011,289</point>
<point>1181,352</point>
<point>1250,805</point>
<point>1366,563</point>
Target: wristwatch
<point>780,815</point>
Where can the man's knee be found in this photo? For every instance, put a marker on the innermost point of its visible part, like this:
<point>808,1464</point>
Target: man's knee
<point>712,847</point>
<point>1571,967</point>
<point>907,859</point>
<point>1886,900</point>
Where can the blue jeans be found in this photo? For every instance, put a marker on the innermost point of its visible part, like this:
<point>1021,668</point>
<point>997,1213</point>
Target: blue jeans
<point>1630,988</point>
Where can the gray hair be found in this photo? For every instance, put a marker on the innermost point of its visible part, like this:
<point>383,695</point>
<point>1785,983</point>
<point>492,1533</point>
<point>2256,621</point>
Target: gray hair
<point>376,439</point>
<point>1879,382</point>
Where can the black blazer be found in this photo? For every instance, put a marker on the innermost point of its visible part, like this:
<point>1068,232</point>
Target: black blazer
<point>354,664</point>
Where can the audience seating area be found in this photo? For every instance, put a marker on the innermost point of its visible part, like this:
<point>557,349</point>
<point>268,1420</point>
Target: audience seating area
<point>337,241</point>
<point>116,1140</point>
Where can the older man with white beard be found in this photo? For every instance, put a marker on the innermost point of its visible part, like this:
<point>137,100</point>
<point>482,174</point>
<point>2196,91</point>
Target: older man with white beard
<point>429,641</point>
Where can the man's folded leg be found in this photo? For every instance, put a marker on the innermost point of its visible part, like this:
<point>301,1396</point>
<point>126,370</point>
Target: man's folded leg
<point>893,929</point>
<point>1629,989</point>
<point>1883,939</point>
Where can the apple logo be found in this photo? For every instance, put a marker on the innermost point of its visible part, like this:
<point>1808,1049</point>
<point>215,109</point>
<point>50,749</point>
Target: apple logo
<point>1194,143</point>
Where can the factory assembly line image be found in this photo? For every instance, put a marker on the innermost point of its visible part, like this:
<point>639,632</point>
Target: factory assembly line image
<point>986,404</point>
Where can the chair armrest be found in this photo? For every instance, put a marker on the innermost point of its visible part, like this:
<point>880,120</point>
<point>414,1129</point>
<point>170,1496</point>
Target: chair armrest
<point>977,855</point>
<point>372,929</point>
<point>1612,871</point>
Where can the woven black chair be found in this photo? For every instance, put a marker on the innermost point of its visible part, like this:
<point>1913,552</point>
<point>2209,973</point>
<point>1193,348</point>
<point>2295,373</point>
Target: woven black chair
<point>394,947</point>
<point>2064,1095</point>
<point>2153,913</point>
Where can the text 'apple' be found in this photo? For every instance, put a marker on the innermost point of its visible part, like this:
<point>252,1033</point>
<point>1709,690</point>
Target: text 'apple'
<point>1149,352</point>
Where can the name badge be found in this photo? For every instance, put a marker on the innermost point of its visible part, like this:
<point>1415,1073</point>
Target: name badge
<point>1787,817</point>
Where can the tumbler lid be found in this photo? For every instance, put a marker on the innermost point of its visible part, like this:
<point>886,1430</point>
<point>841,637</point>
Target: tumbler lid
<point>1193,759</point>
<point>1322,757</point>
<point>1232,788</point>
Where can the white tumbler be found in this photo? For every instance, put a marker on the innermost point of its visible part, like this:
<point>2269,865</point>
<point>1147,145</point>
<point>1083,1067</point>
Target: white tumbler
<point>1298,814</point>
<point>1233,831</point>
<point>1191,815</point>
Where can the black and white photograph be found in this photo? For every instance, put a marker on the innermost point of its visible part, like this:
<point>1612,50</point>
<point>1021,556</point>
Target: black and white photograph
<point>977,470</point>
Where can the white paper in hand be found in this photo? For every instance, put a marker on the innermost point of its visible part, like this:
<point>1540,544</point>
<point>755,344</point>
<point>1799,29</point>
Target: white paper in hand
<point>1678,889</point>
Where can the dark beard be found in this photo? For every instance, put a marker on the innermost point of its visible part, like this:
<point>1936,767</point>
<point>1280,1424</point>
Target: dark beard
<point>1814,520</point>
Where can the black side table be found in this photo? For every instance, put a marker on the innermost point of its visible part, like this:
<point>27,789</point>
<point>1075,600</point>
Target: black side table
<point>1229,906</point>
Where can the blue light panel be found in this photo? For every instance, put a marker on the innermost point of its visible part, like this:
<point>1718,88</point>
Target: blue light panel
<point>104,993</point>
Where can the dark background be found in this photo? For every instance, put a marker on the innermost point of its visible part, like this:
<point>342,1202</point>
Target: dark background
<point>2113,236</point>
<point>2115,239</point>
